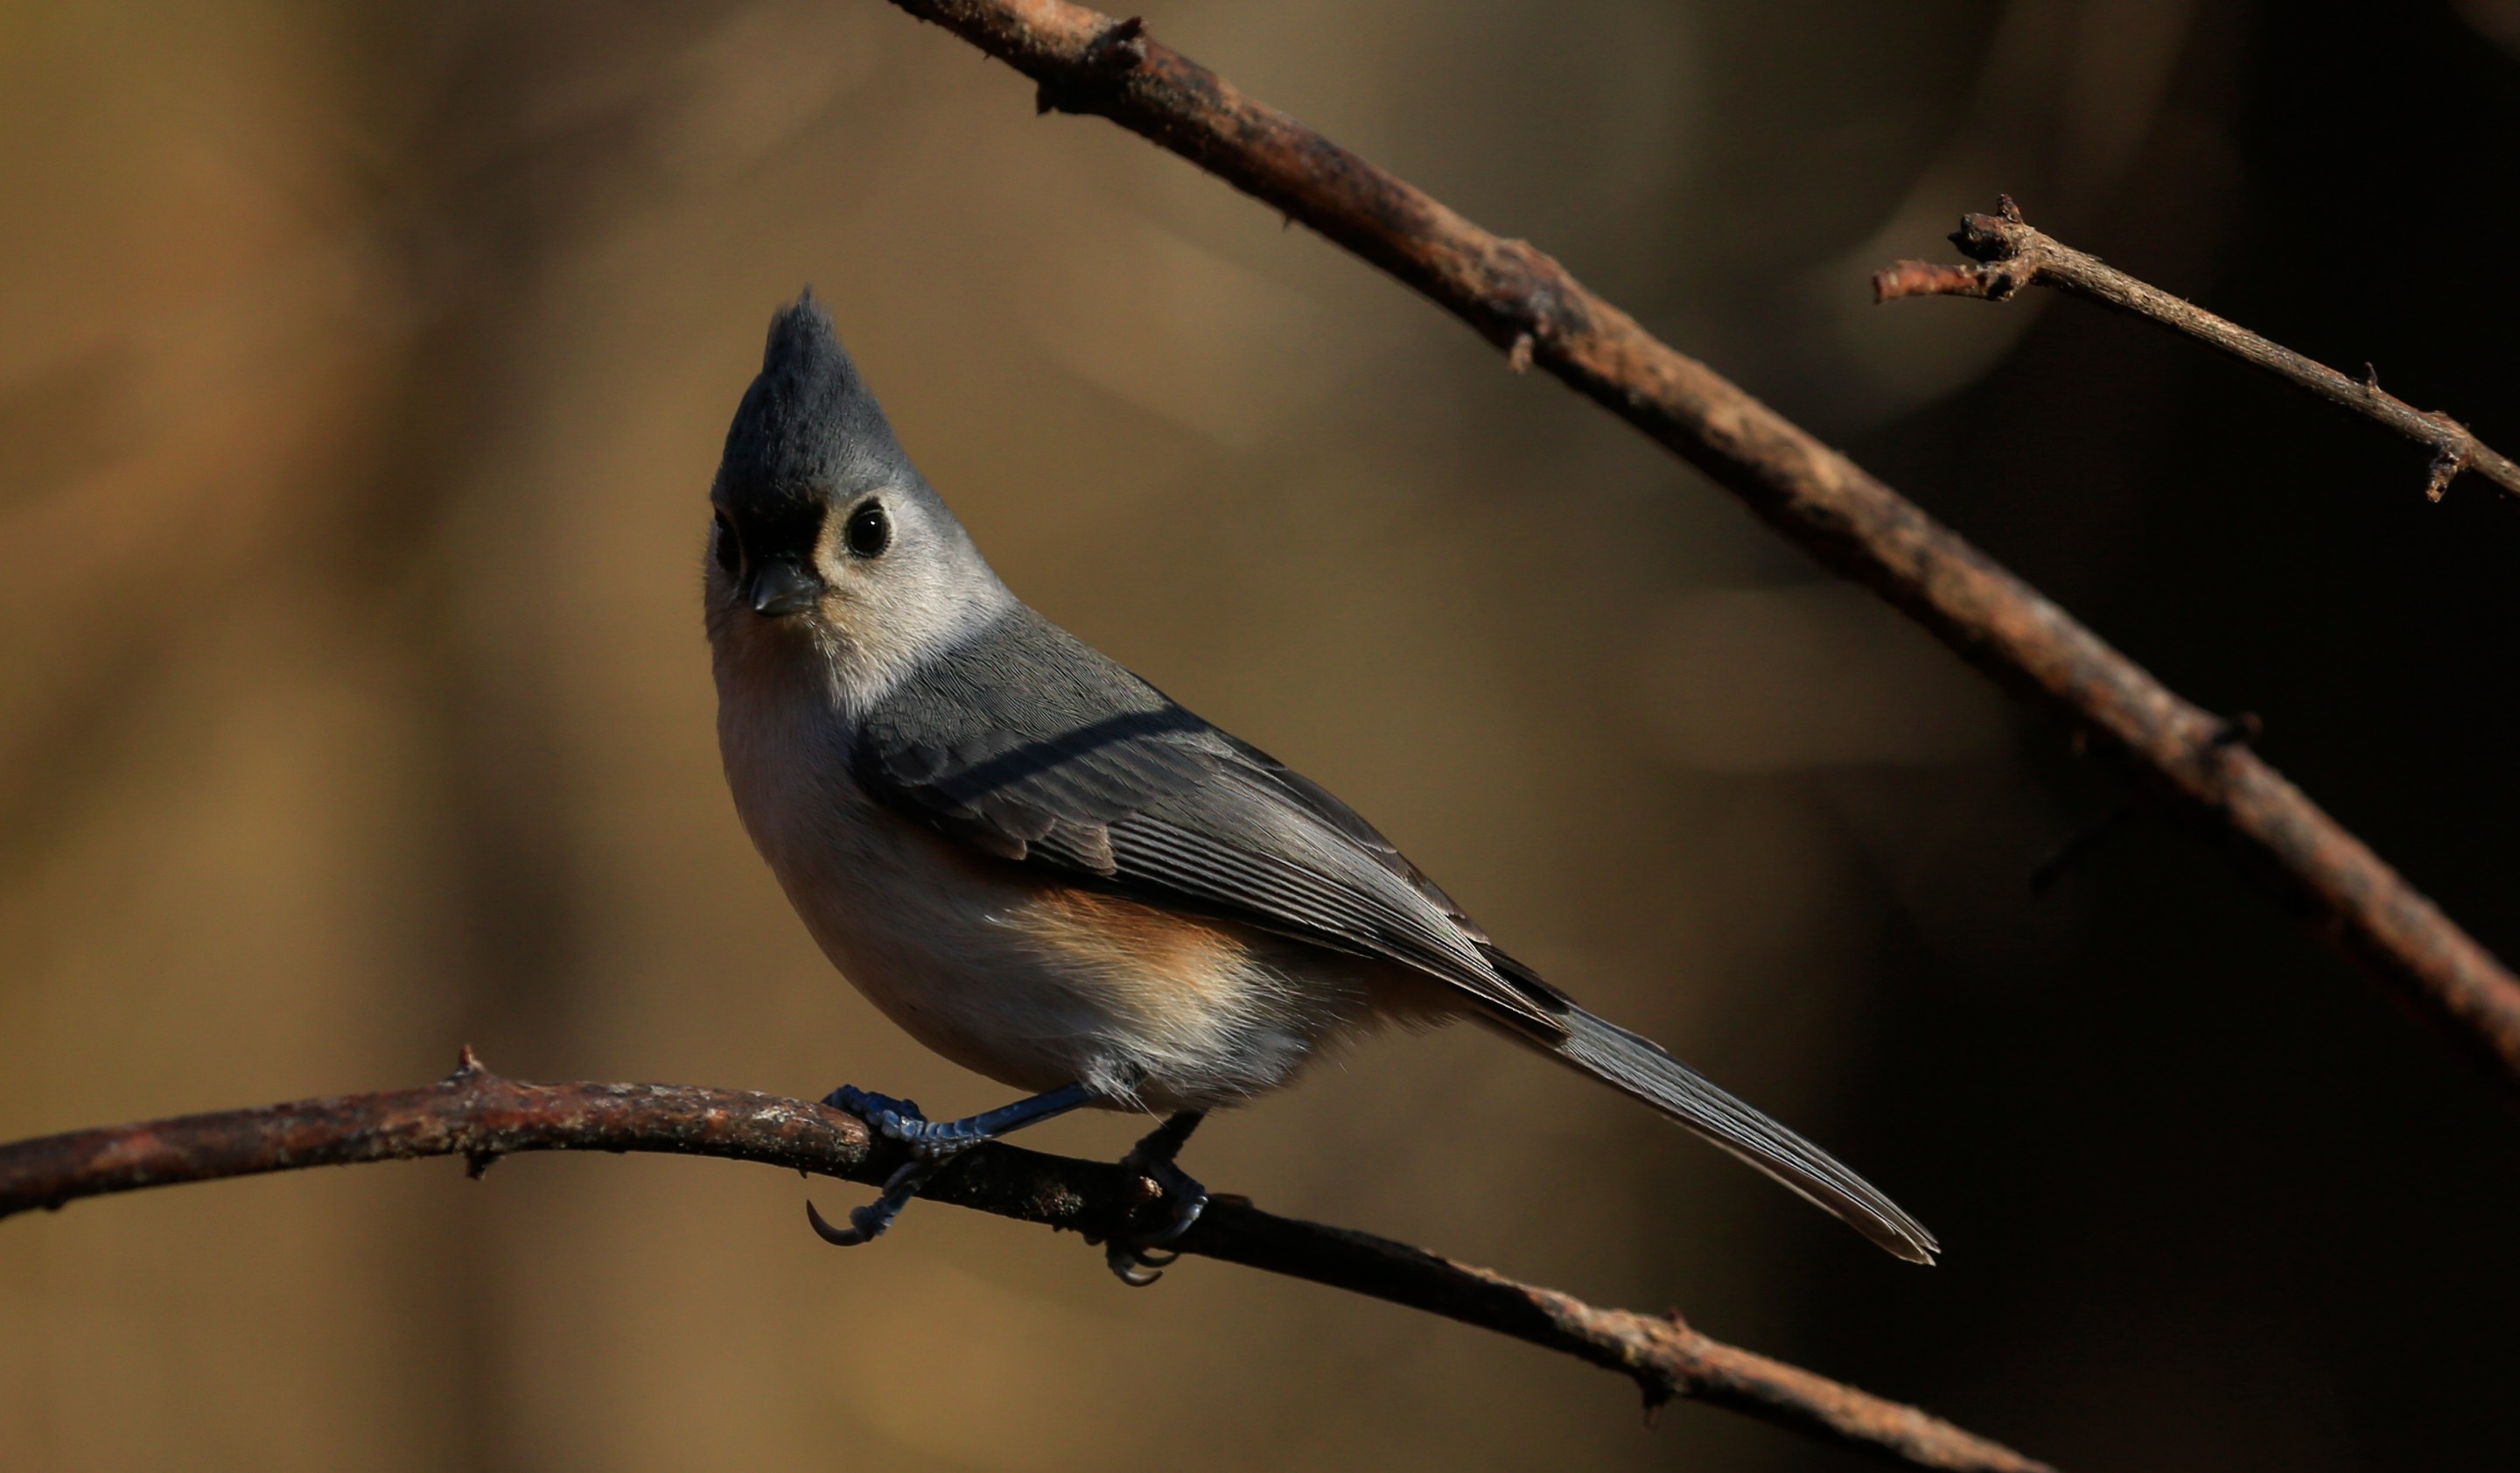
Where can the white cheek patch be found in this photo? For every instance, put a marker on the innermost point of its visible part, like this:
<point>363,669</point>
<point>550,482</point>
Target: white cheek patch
<point>886,616</point>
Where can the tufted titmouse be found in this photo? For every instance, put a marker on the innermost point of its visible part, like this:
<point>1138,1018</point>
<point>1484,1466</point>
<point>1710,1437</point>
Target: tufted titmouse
<point>1047,871</point>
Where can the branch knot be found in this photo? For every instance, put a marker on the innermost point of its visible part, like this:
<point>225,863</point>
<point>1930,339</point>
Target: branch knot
<point>1109,58</point>
<point>1121,48</point>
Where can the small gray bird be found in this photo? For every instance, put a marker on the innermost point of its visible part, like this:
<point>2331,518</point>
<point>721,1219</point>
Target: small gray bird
<point>1045,871</point>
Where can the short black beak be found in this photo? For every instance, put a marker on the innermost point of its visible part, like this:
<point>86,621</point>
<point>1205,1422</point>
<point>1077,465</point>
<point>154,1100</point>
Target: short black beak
<point>783,589</point>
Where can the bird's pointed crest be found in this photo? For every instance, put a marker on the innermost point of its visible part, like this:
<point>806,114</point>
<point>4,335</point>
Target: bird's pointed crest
<point>808,429</point>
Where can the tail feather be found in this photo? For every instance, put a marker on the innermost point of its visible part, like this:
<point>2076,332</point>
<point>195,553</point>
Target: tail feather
<point>1639,1066</point>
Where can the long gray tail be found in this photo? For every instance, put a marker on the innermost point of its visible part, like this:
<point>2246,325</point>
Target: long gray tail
<point>1638,1065</point>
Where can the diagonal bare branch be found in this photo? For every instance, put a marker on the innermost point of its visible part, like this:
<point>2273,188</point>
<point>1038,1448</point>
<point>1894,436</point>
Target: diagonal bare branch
<point>481,1116</point>
<point>2012,256</point>
<point>1529,306</point>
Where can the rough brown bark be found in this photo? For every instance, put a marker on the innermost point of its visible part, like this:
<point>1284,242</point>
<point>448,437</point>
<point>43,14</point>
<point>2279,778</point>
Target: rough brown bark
<point>1529,306</point>
<point>476,1114</point>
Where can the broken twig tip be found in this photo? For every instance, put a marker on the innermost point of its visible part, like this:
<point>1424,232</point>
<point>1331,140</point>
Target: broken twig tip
<point>1518,356</point>
<point>2010,212</point>
<point>1123,47</point>
<point>467,1064</point>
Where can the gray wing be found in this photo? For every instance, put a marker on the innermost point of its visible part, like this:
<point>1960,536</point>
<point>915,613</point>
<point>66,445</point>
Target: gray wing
<point>1029,745</point>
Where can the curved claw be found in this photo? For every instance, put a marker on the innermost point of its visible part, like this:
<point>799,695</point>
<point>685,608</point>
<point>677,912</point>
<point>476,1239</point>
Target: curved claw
<point>838,1237</point>
<point>867,1223</point>
<point>1190,1199</point>
<point>1142,1261</point>
<point>1137,1266</point>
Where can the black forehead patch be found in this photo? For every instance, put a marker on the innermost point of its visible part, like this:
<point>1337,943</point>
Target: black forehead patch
<point>808,435</point>
<point>784,530</point>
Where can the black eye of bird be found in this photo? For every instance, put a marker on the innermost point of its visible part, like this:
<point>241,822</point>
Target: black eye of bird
<point>870,530</point>
<point>730,556</point>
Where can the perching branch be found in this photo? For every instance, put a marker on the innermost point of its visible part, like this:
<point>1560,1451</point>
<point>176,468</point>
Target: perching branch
<point>1527,305</point>
<point>2014,255</point>
<point>475,1113</point>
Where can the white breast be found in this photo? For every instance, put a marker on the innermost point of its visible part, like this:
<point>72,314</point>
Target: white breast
<point>1034,983</point>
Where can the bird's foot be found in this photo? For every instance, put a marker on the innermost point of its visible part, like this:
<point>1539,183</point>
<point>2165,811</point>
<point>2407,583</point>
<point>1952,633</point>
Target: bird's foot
<point>931,1144</point>
<point>904,1122</point>
<point>1141,1259</point>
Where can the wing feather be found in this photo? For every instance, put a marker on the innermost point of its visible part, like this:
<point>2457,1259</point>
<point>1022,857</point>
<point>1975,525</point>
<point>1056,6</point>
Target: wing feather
<point>1029,746</point>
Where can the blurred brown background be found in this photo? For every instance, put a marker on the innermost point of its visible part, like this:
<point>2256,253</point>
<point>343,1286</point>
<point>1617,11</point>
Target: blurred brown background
<point>362,369</point>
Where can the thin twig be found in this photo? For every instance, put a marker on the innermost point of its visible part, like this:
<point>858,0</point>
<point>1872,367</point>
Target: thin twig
<point>476,1114</point>
<point>1530,308</point>
<point>2014,255</point>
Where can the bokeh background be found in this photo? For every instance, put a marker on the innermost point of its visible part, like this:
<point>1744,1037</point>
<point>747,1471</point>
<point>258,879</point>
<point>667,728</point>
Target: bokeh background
<point>362,370</point>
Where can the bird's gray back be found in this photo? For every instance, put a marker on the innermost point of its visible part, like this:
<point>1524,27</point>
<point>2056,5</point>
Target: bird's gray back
<point>1030,745</point>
